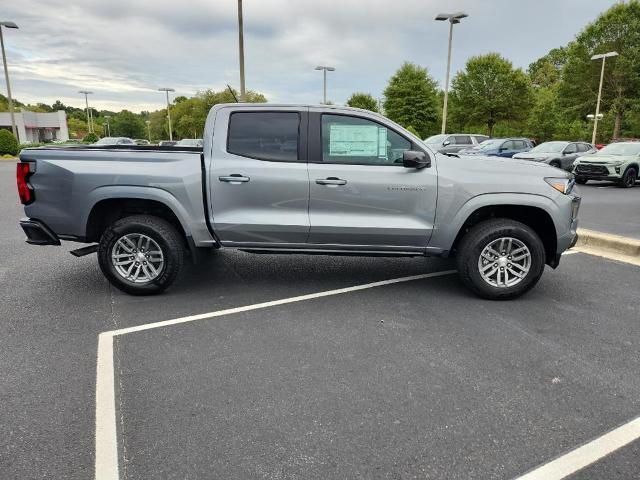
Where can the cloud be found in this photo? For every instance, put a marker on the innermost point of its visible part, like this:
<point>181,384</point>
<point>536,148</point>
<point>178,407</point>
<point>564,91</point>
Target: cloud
<point>124,50</point>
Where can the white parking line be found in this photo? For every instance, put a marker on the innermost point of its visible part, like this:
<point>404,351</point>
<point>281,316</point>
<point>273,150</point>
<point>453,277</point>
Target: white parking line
<point>106,460</point>
<point>588,454</point>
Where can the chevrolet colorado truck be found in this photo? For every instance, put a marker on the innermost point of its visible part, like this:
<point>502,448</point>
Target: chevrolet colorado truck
<point>299,179</point>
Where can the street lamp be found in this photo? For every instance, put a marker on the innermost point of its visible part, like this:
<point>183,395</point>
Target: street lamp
<point>604,57</point>
<point>6,76</point>
<point>148,122</point>
<point>324,74</point>
<point>453,18</point>
<point>89,116</point>
<point>241,50</point>
<point>167,90</point>
<point>107,117</point>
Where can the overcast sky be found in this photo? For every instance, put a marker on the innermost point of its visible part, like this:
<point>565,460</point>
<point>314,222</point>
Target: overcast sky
<point>124,50</point>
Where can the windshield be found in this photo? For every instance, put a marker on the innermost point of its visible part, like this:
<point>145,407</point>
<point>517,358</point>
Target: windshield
<point>621,149</point>
<point>435,139</point>
<point>107,141</point>
<point>489,144</point>
<point>549,147</point>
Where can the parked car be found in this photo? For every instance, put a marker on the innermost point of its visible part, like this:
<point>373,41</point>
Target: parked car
<point>617,162</point>
<point>557,154</point>
<point>167,143</point>
<point>189,142</point>
<point>353,182</point>
<point>109,141</point>
<point>142,141</point>
<point>500,147</point>
<point>453,143</point>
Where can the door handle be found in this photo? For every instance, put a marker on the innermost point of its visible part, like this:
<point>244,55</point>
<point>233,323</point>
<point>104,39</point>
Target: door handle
<point>234,178</point>
<point>331,181</point>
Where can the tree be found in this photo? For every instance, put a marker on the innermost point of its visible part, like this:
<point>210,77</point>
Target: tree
<point>617,29</point>
<point>411,99</point>
<point>77,128</point>
<point>547,71</point>
<point>488,91</point>
<point>542,122</point>
<point>127,124</point>
<point>8,143</point>
<point>363,100</point>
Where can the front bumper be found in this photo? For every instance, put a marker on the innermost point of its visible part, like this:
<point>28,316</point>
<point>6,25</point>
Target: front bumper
<point>38,233</point>
<point>597,172</point>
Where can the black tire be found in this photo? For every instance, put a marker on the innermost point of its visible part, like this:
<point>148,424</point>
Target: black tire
<point>629,178</point>
<point>160,231</point>
<point>481,235</point>
<point>556,164</point>
<point>581,180</point>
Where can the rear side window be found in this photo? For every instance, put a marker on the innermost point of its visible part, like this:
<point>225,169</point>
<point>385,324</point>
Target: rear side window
<point>463,140</point>
<point>264,135</point>
<point>481,138</point>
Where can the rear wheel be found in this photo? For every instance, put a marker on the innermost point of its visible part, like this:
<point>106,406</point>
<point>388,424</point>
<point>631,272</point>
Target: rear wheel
<point>141,254</point>
<point>629,178</point>
<point>555,163</point>
<point>500,259</point>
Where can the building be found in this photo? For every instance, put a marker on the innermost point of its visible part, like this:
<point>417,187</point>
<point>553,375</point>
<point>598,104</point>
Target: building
<point>37,127</point>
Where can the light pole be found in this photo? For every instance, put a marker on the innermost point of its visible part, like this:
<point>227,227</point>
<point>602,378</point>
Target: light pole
<point>602,56</point>
<point>324,74</point>
<point>89,117</point>
<point>167,90</point>
<point>453,18</point>
<point>241,50</point>
<point>107,117</point>
<point>148,122</point>
<point>6,76</point>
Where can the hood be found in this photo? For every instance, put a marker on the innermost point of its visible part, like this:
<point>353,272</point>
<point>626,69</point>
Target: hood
<point>605,158</point>
<point>504,164</point>
<point>533,156</point>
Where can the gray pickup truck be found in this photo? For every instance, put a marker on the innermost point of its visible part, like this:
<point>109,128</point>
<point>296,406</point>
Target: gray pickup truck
<point>299,179</point>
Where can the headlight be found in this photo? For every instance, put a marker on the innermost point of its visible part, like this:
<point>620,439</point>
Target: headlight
<point>563,185</point>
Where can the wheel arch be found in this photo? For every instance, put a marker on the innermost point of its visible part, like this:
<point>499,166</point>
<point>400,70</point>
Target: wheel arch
<point>534,216</point>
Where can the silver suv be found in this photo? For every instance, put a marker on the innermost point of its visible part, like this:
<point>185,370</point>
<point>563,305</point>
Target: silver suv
<point>453,143</point>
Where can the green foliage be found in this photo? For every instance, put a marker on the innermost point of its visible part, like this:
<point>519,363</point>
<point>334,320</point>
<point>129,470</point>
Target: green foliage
<point>77,128</point>
<point>488,91</point>
<point>617,29</point>
<point>90,138</point>
<point>411,99</point>
<point>543,119</point>
<point>546,71</point>
<point>363,100</point>
<point>8,143</point>
<point>127,124</point>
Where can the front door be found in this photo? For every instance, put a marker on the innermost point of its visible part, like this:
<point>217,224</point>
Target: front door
<point>360,193</point>
<point>258,180</point>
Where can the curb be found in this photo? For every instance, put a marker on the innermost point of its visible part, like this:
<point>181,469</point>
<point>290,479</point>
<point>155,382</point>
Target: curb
<point>607,245</point>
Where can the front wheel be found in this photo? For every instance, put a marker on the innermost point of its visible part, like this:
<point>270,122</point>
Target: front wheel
<point>629,178</point>
<point>500,259</point>
<point>141,254</point>
<point>581,180</point>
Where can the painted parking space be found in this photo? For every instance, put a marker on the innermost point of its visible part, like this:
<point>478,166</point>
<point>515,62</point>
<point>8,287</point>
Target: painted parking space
<point>415,379</point>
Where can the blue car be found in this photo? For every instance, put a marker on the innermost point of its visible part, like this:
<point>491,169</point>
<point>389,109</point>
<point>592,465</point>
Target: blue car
<point>500,147</point>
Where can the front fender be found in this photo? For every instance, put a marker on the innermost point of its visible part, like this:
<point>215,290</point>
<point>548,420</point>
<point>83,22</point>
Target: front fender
<point>448,225</point>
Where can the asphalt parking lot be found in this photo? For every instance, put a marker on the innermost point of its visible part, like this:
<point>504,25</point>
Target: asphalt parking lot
<point>417,379</point>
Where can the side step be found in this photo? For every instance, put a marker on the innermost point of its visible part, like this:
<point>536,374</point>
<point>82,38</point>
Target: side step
<point>81,252</point>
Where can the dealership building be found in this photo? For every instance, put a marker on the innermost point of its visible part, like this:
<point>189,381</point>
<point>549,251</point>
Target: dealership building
<point>37,127</point>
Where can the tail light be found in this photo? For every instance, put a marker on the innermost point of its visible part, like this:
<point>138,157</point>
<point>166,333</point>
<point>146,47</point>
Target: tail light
<point>25,191</point>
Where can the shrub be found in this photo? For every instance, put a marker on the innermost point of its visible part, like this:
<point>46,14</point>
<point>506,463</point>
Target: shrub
<point>90,138</point>
<point>8,143</point>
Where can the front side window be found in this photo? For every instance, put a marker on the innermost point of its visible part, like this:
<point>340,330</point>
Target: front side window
<point>264,135</point>
<point>508,145</point>
<point>359,141</point>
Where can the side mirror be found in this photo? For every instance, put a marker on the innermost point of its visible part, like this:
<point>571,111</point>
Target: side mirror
<point>415,159</point>
<point>446,143</point>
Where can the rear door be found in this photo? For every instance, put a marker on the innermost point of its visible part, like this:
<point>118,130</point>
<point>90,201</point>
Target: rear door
<point>361,196</point>
<point>258,181</point>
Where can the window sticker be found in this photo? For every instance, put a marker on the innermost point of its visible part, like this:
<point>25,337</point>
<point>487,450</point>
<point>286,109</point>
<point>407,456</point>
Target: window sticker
<point>357,141</point>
